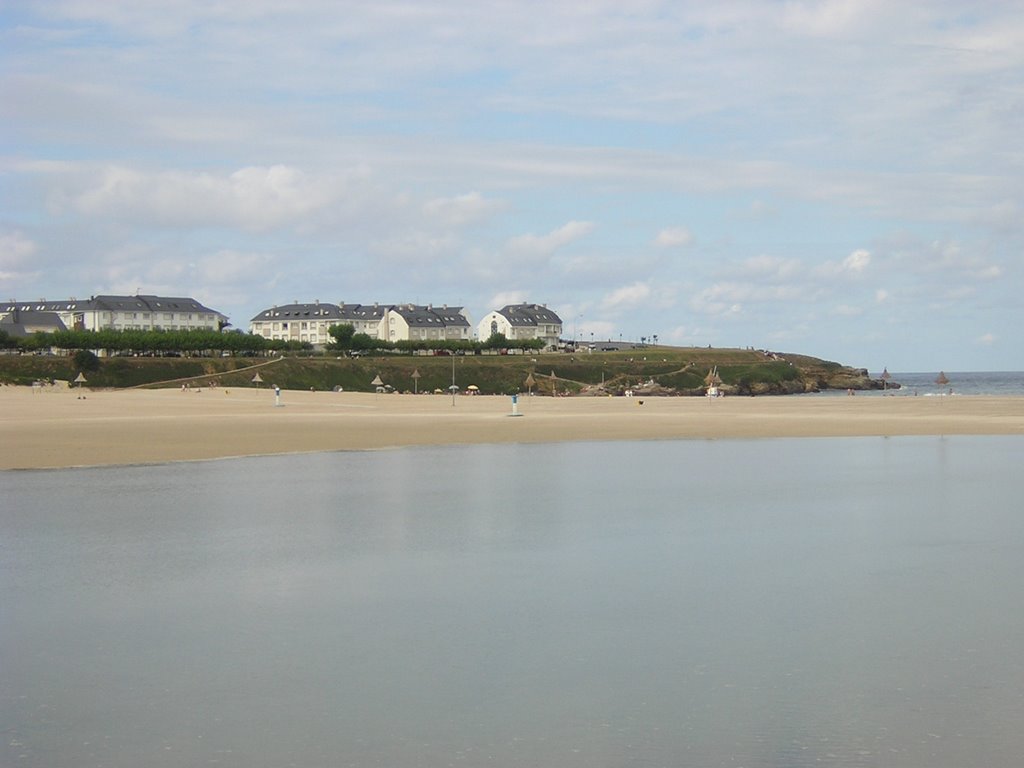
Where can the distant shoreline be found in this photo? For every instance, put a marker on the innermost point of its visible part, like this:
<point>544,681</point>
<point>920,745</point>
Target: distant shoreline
<point>59,427</point>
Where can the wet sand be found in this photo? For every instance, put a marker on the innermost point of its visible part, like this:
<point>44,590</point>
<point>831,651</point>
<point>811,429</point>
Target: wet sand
<point>64,428</point>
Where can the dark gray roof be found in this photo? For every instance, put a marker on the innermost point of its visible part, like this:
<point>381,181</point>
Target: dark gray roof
<point>151,303</point>
<point>313,311</point>
<point>430,317</point>
<point>42,305</point>
<point>111,303</point>
<point>364,312</point>
<point>415,315</point>
<point>21,323</point>
<point>528,314</point>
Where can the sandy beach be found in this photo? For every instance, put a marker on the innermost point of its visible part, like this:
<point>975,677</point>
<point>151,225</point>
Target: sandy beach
<point>59,427</point>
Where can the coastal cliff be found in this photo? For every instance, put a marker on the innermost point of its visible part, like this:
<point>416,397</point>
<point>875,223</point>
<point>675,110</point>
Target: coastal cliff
<point>653,371</point>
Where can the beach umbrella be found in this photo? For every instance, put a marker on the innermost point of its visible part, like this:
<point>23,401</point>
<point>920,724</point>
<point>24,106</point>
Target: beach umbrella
<point>530,381</point>
<point>711,381</point>
<point>885,378</point>
<point>80,380</point>
<point>473,389</point>
<point>415,381</point>
<point>257,380</point>
<point>377,382</point>
<point>941,380</point>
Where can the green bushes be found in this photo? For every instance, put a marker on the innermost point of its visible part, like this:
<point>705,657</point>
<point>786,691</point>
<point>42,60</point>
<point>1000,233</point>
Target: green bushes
<point>675,369</point>
<point>86,361</point>
<point>156,342</point>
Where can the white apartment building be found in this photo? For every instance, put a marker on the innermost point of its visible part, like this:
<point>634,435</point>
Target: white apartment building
<point>122,313</point>
<point>426,323</point>
<point>389,322</point>
<point>518,322</point>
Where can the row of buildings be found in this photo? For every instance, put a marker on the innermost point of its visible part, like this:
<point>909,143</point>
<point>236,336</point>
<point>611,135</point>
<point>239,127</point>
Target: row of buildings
<point>121,313</point>
<point>405,322</point>
<point>289,322</point>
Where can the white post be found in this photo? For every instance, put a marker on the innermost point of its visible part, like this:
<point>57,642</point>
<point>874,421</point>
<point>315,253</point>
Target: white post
<point>277,396</point>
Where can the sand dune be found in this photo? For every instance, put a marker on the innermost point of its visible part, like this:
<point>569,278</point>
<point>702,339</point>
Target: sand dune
<point>63,428</point>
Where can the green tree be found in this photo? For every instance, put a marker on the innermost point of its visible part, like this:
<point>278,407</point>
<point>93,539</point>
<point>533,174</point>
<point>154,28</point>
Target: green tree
<point>34,342</point>
<point>362,342</point>
<point>342,335</point>
<point>85,360</point>
<point>496,341</point>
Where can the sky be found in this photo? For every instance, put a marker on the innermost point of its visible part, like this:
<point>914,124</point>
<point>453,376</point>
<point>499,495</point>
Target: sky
<point>842,178</point>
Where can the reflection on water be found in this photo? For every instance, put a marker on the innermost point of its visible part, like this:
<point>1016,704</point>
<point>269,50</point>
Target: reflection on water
<point>709,603</point>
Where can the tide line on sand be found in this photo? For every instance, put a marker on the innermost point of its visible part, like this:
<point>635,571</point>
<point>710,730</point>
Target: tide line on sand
<point>65,428</point>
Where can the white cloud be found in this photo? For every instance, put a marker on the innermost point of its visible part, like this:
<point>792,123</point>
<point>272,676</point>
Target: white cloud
<point>846,310</point>
<point>990,272</point>
<point>229,267</point>
<point>853,265</point>
<point>252,198</point>
<point>767,267</point>
<point>414,248</point>
<point>683,335</point>
<point>857,261</point>
<point>627,297</point>
<point>740,293</point>
<point>499,300</point>
<point>15,250</point>
<point>718,299</point>
<point>460,210</point>
<point>827,18</point>
<point>596,330</point>
<point>987,339</point>
<point>881,296</point>
<point>673,237</point>
<point>545,245</point>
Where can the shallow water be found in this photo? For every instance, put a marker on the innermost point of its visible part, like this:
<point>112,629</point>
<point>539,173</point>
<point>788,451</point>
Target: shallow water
<point>711,603</point>
<point>970,383</point>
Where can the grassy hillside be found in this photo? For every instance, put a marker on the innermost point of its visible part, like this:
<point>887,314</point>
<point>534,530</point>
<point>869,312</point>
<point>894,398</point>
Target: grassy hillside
<point>656,370</point>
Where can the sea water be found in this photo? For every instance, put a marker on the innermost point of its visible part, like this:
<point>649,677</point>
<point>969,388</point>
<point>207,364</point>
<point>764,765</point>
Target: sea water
<point>993,383</point>
<point>759,603</point>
